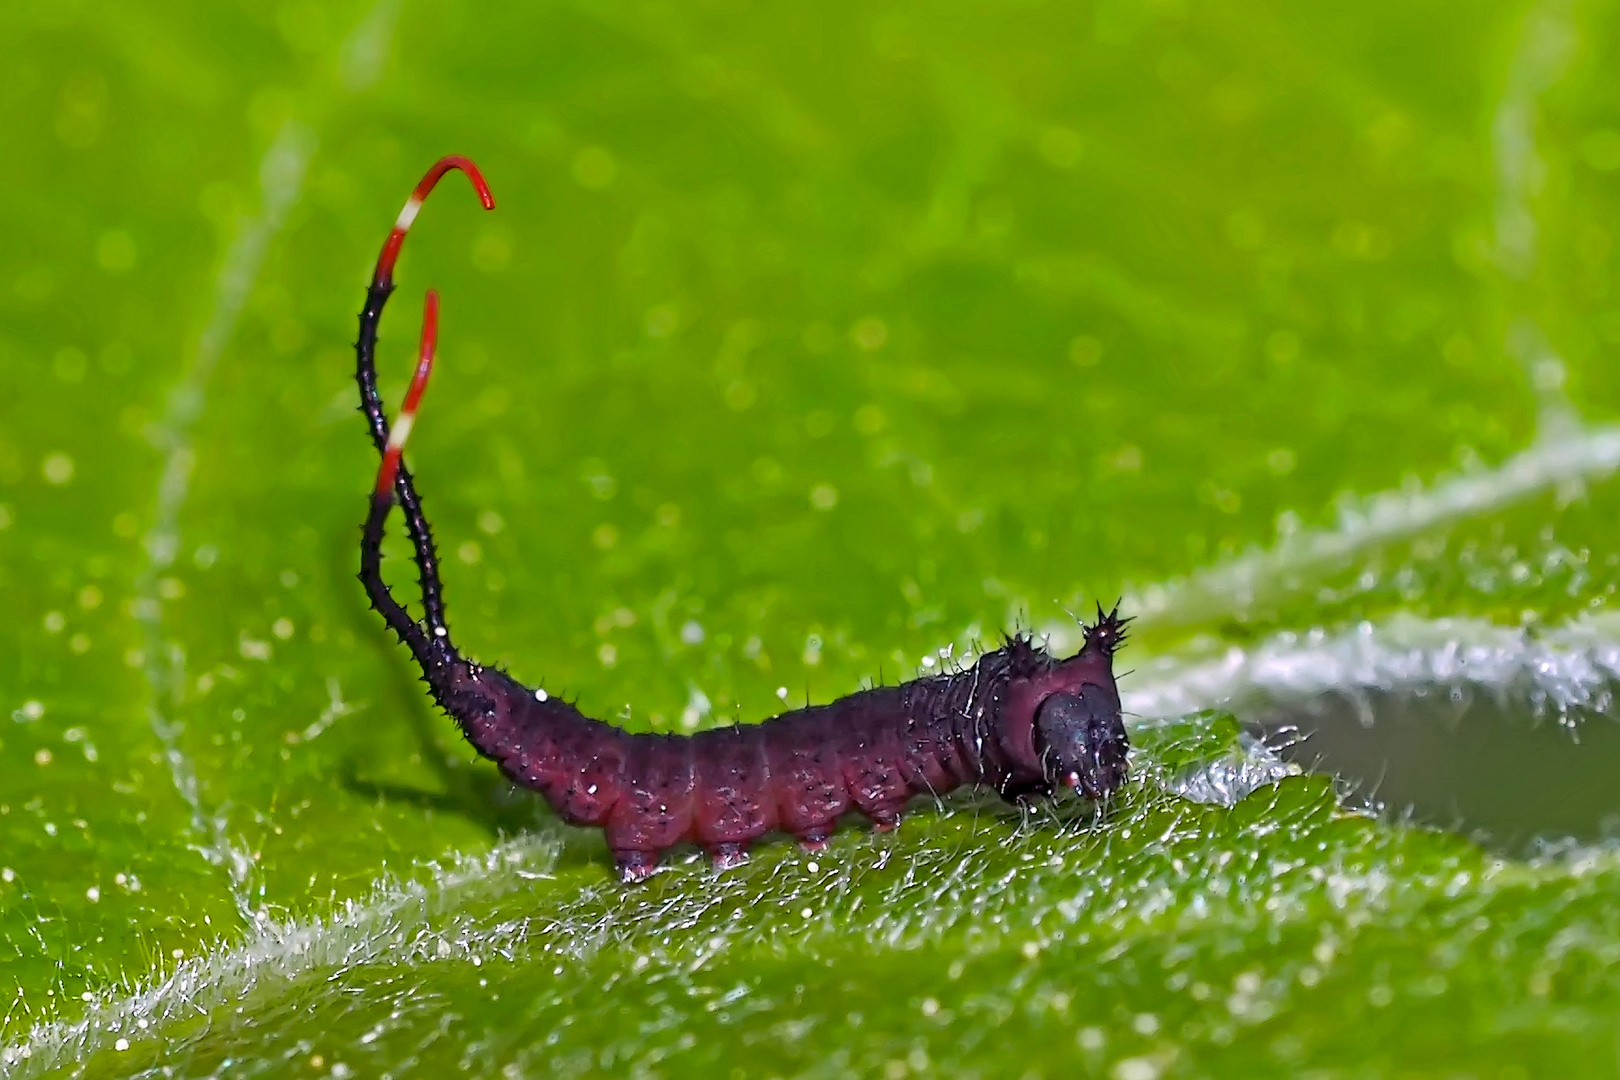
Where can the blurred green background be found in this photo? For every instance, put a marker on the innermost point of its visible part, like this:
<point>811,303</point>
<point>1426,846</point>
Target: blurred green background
<point>806,341</point>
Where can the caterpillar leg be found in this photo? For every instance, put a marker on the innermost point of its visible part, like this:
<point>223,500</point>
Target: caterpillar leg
<point>1017,794</point>
<point>815,840</point>
<point>635,866</point>
<point>728,856</point>
<point>885,816</point>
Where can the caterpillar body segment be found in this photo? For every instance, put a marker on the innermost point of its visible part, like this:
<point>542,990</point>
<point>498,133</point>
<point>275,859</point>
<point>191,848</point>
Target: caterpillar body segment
<point>1018,720</point>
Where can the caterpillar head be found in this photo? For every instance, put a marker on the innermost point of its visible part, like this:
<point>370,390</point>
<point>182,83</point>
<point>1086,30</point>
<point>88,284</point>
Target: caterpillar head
<point>1081,740</point>
<point>1079,733</point>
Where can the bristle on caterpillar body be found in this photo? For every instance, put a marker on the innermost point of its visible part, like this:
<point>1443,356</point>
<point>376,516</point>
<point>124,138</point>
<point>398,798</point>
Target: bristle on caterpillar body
<point>1018,720</point>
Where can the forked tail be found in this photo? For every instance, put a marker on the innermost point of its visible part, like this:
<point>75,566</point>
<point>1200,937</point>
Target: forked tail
<point>428,640</point>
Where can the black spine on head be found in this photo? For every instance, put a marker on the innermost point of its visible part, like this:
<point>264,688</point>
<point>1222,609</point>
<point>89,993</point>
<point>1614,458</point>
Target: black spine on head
<point>1023,658</point>
<point>1108,633</point>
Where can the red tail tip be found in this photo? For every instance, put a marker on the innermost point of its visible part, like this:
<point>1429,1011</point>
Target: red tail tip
<point>402,225</point>
<point>466,165</point>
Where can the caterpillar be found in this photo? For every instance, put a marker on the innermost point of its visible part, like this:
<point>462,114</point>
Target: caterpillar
<point>1018,720</point>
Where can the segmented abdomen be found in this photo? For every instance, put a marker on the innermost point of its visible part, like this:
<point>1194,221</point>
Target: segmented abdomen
<point>722,788</point>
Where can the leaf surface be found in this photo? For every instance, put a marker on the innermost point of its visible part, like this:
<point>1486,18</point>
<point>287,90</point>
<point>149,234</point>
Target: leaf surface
<point>807,347</point>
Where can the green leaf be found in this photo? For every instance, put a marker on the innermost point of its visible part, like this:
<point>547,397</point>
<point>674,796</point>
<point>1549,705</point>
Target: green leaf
<point>809,346</point>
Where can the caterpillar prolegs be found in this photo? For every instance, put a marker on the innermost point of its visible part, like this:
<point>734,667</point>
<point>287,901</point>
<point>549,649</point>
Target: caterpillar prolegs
<point>1018,720</point>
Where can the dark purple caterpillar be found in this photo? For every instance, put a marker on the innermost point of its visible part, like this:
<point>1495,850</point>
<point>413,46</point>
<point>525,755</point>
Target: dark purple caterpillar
<point>1018,720</point>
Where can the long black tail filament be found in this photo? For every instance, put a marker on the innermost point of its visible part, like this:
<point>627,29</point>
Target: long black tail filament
<point>429,643</point>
